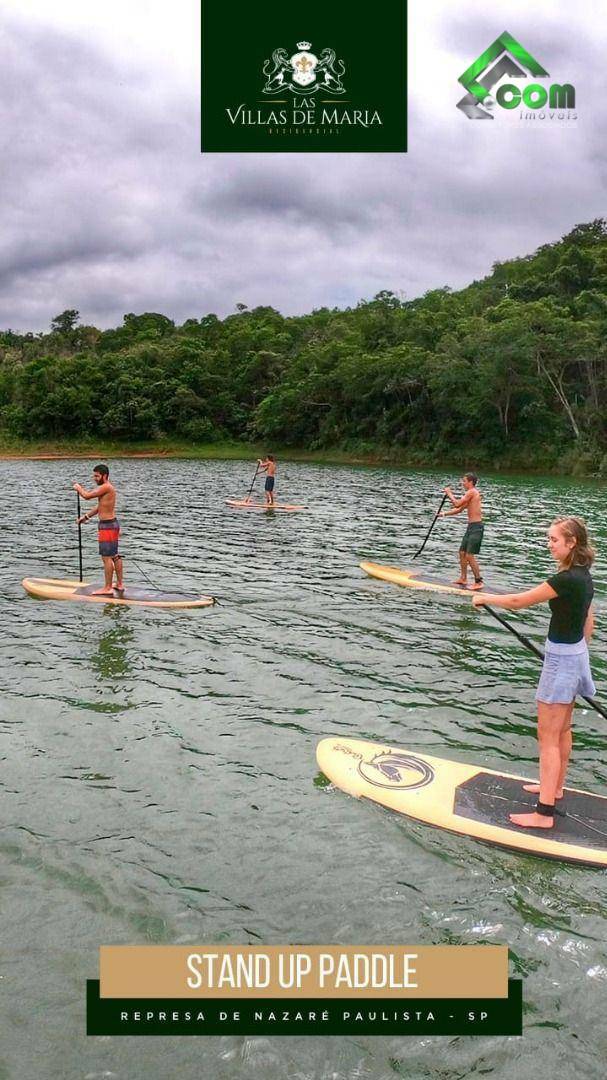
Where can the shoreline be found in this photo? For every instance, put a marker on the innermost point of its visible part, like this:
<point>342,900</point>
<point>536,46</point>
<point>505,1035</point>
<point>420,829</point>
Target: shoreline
<point>380,458</point>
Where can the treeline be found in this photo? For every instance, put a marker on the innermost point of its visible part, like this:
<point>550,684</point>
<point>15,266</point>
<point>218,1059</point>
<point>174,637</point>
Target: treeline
<point>510,370</point>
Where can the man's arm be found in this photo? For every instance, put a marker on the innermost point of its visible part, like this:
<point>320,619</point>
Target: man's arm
<point>96,493</point>
<point>458,504</point>
<point>88,516</point>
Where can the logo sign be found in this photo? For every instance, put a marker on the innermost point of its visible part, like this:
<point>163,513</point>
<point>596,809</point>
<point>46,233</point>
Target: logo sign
<point>533,100</point>
<point>396,770</point>
<point>304,73</point>
<point>314,80</point>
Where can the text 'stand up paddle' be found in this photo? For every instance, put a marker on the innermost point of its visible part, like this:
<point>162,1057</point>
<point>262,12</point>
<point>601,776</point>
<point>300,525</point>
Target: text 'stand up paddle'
<point>436,516</point>
<point>253,482</point>
<point>79,538</point>
<point>538,652</point>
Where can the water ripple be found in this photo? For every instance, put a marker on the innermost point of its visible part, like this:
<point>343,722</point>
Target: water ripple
<point>158,771</point>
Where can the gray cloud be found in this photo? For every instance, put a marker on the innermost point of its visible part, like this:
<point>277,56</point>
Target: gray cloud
<point>108,206</point>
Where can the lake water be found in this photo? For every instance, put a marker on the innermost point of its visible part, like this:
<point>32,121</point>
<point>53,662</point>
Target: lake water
<point>158,775</point>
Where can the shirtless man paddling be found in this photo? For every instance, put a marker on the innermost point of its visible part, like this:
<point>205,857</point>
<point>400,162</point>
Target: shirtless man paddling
<point>473,536</point>
<point>269,467</point>
<point>109,528</point>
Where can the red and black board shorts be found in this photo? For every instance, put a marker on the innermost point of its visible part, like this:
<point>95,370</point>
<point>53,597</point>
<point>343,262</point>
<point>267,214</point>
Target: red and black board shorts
<point>109,531</point>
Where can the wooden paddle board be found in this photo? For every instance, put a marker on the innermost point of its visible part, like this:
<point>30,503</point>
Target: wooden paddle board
<point>466,799</point>
<point>55,589</point>
<point>243,504</point>
<point>413,579</point>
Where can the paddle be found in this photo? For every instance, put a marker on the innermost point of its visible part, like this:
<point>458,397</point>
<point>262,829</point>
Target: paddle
<point>253,482</point>
<point>79,536</point>
<point>436,517</point>
<point>538,652</point>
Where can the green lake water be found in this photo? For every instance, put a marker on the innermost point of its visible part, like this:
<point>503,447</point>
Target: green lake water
<point>158,777</point>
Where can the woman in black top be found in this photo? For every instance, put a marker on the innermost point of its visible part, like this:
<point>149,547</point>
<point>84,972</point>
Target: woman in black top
<point>566,670</point>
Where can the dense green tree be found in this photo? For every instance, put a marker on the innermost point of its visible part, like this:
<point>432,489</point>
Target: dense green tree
<point>65,322</point>
<point>511,368</point>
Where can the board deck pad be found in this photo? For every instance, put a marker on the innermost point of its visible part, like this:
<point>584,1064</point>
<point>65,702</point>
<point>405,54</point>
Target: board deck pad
<point>581,818</point>
<point>466,799</point>
<point>55,589</point>
<point>418,579</point>
<point>244,504</point>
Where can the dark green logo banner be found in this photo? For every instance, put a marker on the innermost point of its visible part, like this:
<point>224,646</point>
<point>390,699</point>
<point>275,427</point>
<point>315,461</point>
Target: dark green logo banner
<point>267,1016</point>
<point>320,78</point>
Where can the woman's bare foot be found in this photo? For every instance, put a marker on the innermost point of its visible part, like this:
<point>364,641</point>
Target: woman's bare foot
<point>477,585</point>
<point>532,821</point>
<point>535,790</point>
<point>103,592</point>
<point>460,581</point>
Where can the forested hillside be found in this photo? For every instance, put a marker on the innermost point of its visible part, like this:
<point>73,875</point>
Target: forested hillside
<point>508,371</point>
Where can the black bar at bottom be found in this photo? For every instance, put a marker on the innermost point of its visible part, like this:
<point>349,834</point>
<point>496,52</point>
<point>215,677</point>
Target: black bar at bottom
<point>320,1016</point>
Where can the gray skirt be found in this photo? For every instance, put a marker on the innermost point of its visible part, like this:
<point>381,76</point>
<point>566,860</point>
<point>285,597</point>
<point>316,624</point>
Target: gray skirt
<point>565,673</point>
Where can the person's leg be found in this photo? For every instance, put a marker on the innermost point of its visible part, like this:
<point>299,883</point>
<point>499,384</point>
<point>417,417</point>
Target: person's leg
<point>108,573</point>
<point>552,720</point>
<point>118,567</point>
<point>565,748</point>
<point>463,567</point>
<point>565,745</point>
<point>476,570</point>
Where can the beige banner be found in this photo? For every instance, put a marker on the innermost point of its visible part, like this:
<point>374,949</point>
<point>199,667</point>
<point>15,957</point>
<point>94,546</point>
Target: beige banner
<point>303,971</point>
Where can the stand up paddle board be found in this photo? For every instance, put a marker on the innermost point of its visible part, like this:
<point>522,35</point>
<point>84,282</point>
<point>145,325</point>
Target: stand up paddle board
<point>413,580</point>
<point>466,799</point>
<point>243,504</point>
<point>54,589</point>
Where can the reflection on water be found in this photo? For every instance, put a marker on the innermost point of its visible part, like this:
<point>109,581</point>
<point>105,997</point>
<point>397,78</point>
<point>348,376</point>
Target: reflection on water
<point>159,780</point>
<point>112,656</point>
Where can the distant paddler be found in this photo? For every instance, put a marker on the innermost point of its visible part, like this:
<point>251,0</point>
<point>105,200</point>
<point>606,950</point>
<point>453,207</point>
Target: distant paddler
<point>268,465</point>
<point>109,528</point>
<point>566,669</point>
<point>473,536</point>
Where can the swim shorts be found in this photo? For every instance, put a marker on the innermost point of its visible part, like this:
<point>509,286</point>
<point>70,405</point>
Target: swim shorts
<point>269,483</point>
<point>108,534</point>
<point>472,538</point>
<point>565,673</point>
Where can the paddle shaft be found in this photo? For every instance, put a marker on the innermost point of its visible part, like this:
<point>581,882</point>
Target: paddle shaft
<point>538,652</point>
<point>79,537</point>
<point>253,481</point>
<point>436,516</point>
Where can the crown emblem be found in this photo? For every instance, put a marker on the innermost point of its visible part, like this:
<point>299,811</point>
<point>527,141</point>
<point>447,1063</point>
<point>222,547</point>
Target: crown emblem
<point>303,73</point>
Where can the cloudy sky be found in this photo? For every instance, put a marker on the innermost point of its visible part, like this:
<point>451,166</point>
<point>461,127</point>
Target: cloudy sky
<point>108,206</point>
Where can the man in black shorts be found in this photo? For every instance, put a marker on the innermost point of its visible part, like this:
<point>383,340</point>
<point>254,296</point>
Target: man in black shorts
<point>473,536</point>
<point>269,467</point>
